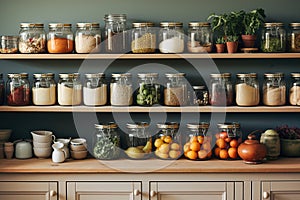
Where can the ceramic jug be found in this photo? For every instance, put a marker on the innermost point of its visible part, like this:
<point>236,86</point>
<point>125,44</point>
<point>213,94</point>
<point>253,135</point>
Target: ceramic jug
<point>66,145</point>
<point>58,154</point>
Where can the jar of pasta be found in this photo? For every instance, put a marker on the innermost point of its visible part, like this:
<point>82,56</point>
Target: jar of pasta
<point>121,90</point>
<point>199,37</point>
<point>44,89</point>
<point>143,38</point>
<point>294,37</point>
<point>88,38</point>
<point>175,92</point>
<point>171,37</point>
<point>60,38</point>
<point>294,93</point>
<point>95,90</point>
<point>18,90</point>
<point>247,89</point>
<point>274,89</point>
<point>69,89</point>
<point>221,92</point>
<point>148,92</point>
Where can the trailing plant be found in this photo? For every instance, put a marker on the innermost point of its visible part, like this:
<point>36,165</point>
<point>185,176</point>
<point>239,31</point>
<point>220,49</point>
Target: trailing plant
<point>253,21</point>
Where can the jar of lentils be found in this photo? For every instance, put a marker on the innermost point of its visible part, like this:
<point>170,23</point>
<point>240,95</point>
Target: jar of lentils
<point>121,90</point>
<point>143,38</point>
<point>199,37</point>
<point>9,44</point>
<point>18,90</point>
<point>295,89</point>
<point>148,92</point>
<point>87,38</point>
<point>44,89</point>
<point>221,92</point>
<point>69,90</point>
<point>2,89</point>
<point>175,92</point>
<point>95,90</point>
<point>247,89</point>
<point>171,37</point>
<point>273,38</point>
<point>60,38</point>
<point>274,89</point>
<point>294,37</point>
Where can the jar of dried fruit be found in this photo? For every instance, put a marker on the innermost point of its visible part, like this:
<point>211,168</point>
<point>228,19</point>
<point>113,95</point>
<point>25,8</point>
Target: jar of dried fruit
<point>294,37</point>
<point>88,38</point>
<point>221,92</point>
<point>175,92</point>
<point>273,38</point>
<point>2,90</point>
<point>148,92</point>
<point>95,90</point>
<point>171,37</point>
<point>199,37</point>
<point>9,44</point>
<point>274,89</point>
<point>60,38</point>
<point>69,90</point>
<point>121,90</point>
<point>295,89</point>
<point>44,89</point>
<point>143,38</point>
<point>18,90</point>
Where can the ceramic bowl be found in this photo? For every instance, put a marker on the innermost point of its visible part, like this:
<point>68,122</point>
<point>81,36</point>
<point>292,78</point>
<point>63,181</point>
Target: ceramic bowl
<point>78,141</point>
<point>289,147</point>
<point>42,136</point>
<point>80,147</point>
<point>78,155</point>
<point>5,134</point>
<point>42,144</point>
<point>42,152</point>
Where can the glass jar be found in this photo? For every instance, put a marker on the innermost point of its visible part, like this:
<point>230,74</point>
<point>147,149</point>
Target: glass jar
<point>9,44</point>
<point>116,36</point>
<point>273,38</point>
<point>199,37</point>
<point>32,38</point>
<point>171,37</point>
<point>274,89</point>
<point>60,38</point>
<point>106,142</point>
<point>143,38</point>
<point>121,90</point>
<point>175,92</point>
<point>221,92</point>
<point>95,90</point>
<point>198,142</point>
<point>88,38</point>
<point>139,141</point>
<point>148,92</point>
<point>295,89</point>
<point>2,89</point>
<point>247,89</point>
<point>44,89</point>
<point>294,37</point>
<point>18,90</point>
<point>200,96</point>
<point>168,141</point>
<point>69,90</point>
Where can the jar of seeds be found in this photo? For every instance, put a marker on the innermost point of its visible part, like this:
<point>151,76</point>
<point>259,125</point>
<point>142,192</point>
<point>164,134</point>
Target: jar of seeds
<point>143,38</point>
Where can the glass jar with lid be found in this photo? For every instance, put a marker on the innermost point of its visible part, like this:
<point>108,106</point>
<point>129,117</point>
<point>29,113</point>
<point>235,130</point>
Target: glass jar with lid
<point>18,90</point>
<point>148,92</point>
<point>138,141</point>
<point>44,89</point>
<point>247,89</point>
<point>106,141</point>
<point>294,37</point>
<point>32,38</point>
<point>60,38</point>
<point>171,37</point>
<point>69,91</point>
<point>116,35</point>
<point>121,90</point>
<point>143,38</point>
<point>274,89</point>
<point>221,92</point>
<point>2,89</point>
<point>200,96</point>
<point>9,44</point>
<point>273,38</point>
<point>175,92</point>
<point>295,89</point>
<point>167,142</point>
<point>95,90</point>
<point>199,37</point>
<point>87,38</point>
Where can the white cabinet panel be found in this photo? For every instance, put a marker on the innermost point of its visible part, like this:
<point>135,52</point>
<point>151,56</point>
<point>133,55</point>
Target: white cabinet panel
<point>280,190</point>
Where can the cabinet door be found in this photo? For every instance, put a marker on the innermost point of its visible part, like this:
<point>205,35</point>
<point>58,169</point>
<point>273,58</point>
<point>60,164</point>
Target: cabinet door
<point>104,190</point>
<point>28,190</point>
<point>280,190</point>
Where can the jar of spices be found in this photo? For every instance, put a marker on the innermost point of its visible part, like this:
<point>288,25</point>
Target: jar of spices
<point>107,141</point>
<point>88,38</point>
<point>221,92</point>
<point>273,38</point>
<point>139,141</point>
<point>2,89</point>
<point>9,44</point>
<point>143,38</point>
<point>294,37</point>
<point>121,90</point>
<point>18,90</point>
<point>116,35</point>
<point>198,142</point>
<point>274,89</point>
<point>60,38</point>
<point>69,89</point>
<point>200,96</point>
<point>171,37</point>
<point>44,89</point>
<point>295,89</point>
<point>247,89</point>
<point>32,38</point>
<point>199,37</point>
<point>148,92</point>
<point>175,92</point>
<point>95,90</point>
<point>168,141</point>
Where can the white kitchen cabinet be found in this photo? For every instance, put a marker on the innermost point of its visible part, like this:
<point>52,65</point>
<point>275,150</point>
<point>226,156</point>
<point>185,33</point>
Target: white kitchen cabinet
<point>280,190</point>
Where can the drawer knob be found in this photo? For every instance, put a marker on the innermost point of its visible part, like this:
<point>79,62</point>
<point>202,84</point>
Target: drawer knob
<point>266,195</point>
<point>136,192</point>
<point>52,193</point>
<point>152,193</point>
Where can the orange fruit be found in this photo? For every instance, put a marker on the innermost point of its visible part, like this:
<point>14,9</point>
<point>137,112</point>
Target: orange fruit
<point>232,152</point>
<point>223,135</point>
<point>192,155</point>
<point>195,146</point>
<point>163,137</point>
<point>228,139</point>
<point>223,154</point>
<point>202,154</point>
<point>168,139</point>
<point>206,146</point>
<point>217,151</point>
<point>221,143</point>
<point>209,154</point>
<point>194,139</point>
<point>186,147</point>
<point>234,143</point>
<point>200,139</point>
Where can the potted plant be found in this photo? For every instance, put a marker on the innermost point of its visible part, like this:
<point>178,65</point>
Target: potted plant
<point>289,140</point>
<point>220,45</point>
<point>232,43</point>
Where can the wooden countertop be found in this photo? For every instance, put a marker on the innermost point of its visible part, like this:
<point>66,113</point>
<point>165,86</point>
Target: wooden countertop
<point>36,165</point>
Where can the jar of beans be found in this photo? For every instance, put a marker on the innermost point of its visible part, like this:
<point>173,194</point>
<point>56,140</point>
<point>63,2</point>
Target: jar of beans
<point>44,89</point>
<point>60,38</point>
<point>143,38</point>
<point>221,92</point>
<point>18,90</point>
<point>175,92</point>
<point>148,92</point>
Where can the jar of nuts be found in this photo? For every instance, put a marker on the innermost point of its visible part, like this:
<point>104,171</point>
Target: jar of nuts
<point>143,38</point>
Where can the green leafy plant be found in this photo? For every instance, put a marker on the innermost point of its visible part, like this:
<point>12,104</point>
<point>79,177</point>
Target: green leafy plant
<point>232,38</point>
<point>220,40</point>
<point>253,21</point>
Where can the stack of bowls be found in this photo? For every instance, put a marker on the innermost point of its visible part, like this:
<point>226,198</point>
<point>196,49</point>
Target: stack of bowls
<point>42,141</point>
<point>78,148</point>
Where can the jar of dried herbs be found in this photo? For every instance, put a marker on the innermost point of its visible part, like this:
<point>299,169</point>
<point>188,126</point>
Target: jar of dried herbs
<point>273,38</point>
<point>294,37</point>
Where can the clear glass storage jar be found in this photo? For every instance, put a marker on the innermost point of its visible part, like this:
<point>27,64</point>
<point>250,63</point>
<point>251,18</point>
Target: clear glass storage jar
<point>60,38</point>
<point>199,37</point>
<point>69,91</point>
<point>121,90</point>
<point>175,91</point>
<point>143,38</point>
<point>9,44</point>
<point>106,141</point>
<point>148,92</point>
<point>2,89</point>
<point>274,89</point>
<point>273,38</point>
<point>247,89</point>
<point>32,38</point>
<point>200,96</point>
<point>294,94</point>
<point>44,89</point>
<point>221,92</point>
<point>294,37</point>
<point>88,38</point>
<point>18,89</point>
<point>171,37</point>
<point>95,90</point>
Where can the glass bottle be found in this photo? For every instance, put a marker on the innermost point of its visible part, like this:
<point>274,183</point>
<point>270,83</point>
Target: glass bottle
<point>247,89</point>
<point>121,90</point>
<point>199,37</point>
<point>143,38</point>
<point>88,38</point>
<point>2,89</point>
<point>32,38</point>
<point>294,37</point>
<point>18,90</point>
<point>95,90</point>
<point>148,92</point>
<point>274,89</point>
<point>273,38</point>
<point>171,37</point>
<point>221,92</point>
<point>9,44</point>
<point>44,89</point>
<point>200,96</point>
<point>69,91</point>
<point>60,38</point>
<point>175,92</point>
<point>294,94</point>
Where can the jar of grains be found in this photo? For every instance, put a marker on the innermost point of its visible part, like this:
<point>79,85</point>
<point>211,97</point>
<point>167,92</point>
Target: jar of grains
<point>175,92</point>
<point>9,44</point>
<point>44,89</point>
<point>116,36</point>
<point>247,89</point>
<point>273,38</point>
<point>60,38</point>
<point>199,37</point>
<point>171,37</point>
<point>295,89</point>
<point>221,92</point>
<point>32,38</point>
<point>18,90</point>
<point>274,89</point>
<point>143,38</point>
<point>2,90</point>
<point>95,90</point>
<point>69,90</point>
<point>148,92</point>
<point>200,96</point>
<point>294,37</point>
<point>121,90</point>
<point>88,38</point>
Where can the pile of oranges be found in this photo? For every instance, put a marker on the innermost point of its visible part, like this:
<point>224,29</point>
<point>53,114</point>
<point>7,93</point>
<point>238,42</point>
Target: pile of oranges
<point>166,148</point>
<point>226,147</point>
<point>198,148</point>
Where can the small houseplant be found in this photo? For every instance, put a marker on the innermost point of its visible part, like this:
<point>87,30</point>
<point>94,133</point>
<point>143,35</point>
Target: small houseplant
<point>289,140</point>
<point>220,45</point>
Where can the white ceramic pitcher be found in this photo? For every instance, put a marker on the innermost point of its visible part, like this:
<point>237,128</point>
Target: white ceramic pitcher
<point>58,154</point>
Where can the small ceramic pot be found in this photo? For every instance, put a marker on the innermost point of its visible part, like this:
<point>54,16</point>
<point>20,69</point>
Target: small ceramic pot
<point>289,147</point>
<point>23,150</point>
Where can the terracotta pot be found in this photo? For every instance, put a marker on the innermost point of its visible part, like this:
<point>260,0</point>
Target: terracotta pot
<point>232,47</point>
<point>220,48</point>
<point>249,40</point>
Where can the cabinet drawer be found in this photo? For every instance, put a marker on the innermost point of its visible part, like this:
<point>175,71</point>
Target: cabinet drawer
<point>280,190</point>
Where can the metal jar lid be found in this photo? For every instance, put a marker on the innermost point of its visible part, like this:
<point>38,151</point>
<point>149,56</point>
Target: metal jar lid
<point>115,17</point>
<point>138,125</point>
<point>109,125</point>
<point>171,24</point>
<point>12,38</point>
<point>175,75</point>
<point>59,25</point>
<point>199,24</point>
<point>142,24</point>
<point>87,24</point>
<point>250,75</point>
<point>72,75</point>
<point>148,75</point>
<point>20,75</point>
<point>31,25</point>
<point>295,75</point>
<point>274,75</point>
<point>274,24</point>
<point>199,87</point>
<point>121,75</point>
<point>96,75</point>
<point>168,125</point>
<point>203,125</point>
<point>229,125</point>
<point>223,75</point>
<point>45,75</point>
